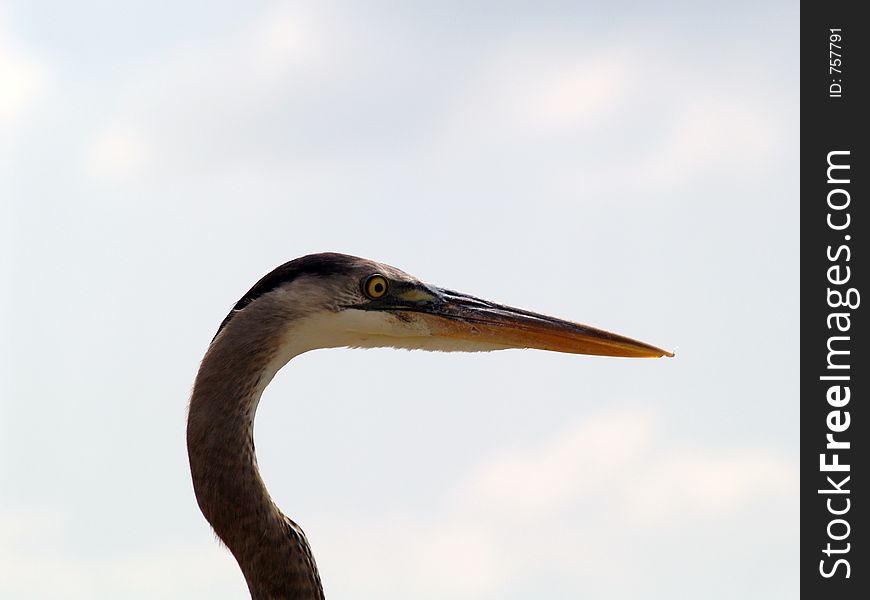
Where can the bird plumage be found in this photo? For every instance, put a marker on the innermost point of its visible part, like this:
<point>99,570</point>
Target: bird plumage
<point>326,301</point>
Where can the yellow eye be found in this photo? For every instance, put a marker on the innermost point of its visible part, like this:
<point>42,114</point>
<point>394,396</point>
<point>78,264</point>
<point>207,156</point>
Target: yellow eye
<point>376,286</point>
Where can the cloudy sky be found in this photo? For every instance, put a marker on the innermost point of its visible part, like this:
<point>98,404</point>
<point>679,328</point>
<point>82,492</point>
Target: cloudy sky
<point>632,165</point>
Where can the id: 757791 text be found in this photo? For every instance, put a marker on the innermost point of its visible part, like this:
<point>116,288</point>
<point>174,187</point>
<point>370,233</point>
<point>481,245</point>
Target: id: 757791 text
<point>835,63</point>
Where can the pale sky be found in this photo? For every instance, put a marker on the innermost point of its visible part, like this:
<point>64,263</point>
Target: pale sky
<point>631,165</point>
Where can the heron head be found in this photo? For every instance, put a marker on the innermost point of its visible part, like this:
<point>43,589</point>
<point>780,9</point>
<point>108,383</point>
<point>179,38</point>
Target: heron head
<point>333,300</point>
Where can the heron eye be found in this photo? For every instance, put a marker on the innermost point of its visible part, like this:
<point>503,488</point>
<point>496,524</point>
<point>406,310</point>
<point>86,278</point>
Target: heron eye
<point>375,286</point>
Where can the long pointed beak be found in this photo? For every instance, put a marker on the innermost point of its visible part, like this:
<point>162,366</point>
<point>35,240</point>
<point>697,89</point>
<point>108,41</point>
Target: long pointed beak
<point>463,317</point>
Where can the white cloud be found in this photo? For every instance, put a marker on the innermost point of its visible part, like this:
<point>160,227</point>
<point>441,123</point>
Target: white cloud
<point>623,456</point>
<point>579,94</point>
<point>542,89</point>
<point>570,506</point>
<point>729,132</point>
<point>34,563</point>
<point>527,484</point>
<point>212,97</point>
<point>283,39</point>
<point>709,484</point>
<point>23,78</point>
<point>292,86</point>
<point>117,153</point>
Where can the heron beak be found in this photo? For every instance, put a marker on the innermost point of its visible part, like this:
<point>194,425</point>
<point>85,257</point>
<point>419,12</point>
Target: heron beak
<point>459,316</point>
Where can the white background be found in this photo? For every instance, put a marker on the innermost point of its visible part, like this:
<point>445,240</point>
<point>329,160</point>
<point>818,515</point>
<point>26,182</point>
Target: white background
<point>629,165</point>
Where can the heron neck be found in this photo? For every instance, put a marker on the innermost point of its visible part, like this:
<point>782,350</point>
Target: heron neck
<point>271,550</point>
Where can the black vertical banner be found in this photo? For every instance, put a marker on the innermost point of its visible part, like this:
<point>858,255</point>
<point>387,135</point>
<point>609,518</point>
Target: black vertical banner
<point>835,369</point>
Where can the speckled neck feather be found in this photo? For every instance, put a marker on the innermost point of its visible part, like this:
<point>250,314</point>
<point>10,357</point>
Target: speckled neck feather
<point>271,550</point>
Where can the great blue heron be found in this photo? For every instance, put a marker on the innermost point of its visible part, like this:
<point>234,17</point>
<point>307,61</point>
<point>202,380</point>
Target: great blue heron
<point>329,301</point>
